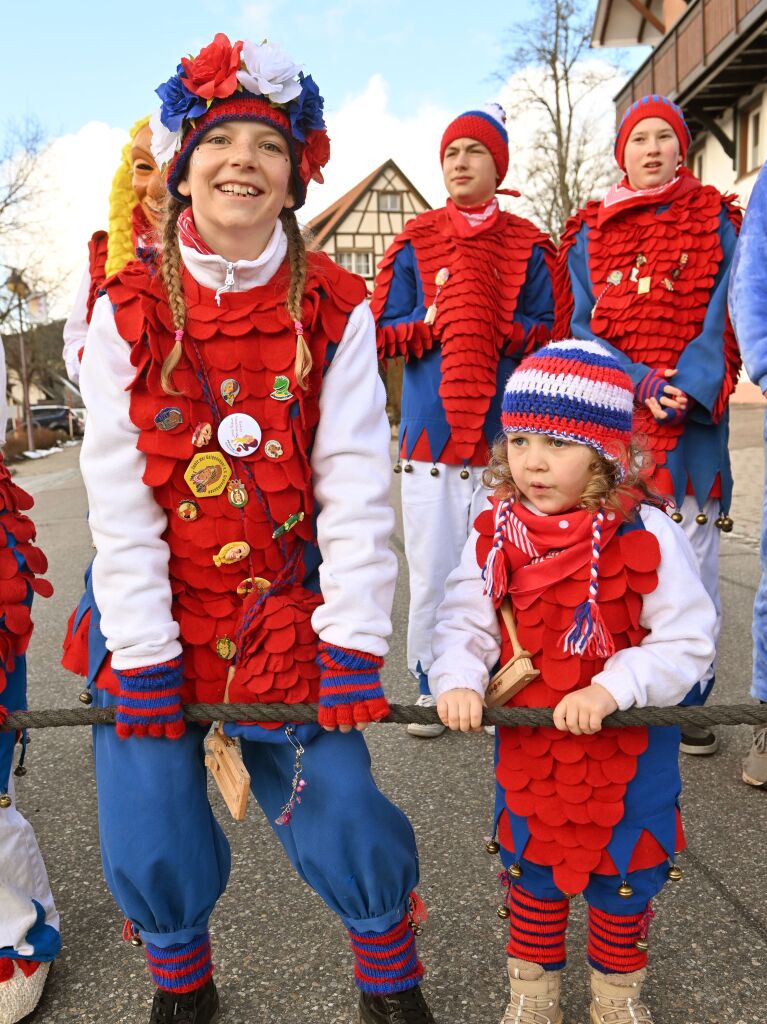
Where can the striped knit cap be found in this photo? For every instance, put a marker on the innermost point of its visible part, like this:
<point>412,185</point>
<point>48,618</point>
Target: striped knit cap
<point>575,390</point>
<point>487,126</point>
<point>652,106</point>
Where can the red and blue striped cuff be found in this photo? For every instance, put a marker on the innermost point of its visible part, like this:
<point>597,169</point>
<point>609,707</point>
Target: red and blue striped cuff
<point>181,968</point>
<point>149,701</point>
<point>652,385</point>
<point>386,961</point>
<point>612,941</point>
<point>537,929</point>
<point>350,686</point>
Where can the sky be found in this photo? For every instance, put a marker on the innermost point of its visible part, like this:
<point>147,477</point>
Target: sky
<point>393,74</point>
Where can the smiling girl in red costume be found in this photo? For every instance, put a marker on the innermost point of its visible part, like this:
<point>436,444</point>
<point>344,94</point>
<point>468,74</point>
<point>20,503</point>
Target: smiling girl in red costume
<point>243,330</point>
<point>646,270</point>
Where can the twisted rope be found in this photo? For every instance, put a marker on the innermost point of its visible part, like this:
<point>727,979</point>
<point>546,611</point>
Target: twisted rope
<point>722,714</point>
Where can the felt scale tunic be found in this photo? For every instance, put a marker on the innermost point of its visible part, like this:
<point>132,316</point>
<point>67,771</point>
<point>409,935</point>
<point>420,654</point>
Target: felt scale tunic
<point>496,305</point>
<point>688,245</point>
<point>248,338</point>
<point>604,803</point>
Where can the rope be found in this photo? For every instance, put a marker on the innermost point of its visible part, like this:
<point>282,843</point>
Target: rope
<point>729,714</point>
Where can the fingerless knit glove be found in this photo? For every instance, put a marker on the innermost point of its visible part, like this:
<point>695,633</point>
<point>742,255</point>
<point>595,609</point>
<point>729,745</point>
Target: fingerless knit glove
<point>652,385</point>
<point>149,701</point>
<point>350,687</point>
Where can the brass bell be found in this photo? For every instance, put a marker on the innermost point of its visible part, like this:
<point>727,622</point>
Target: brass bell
<point>701,519</point>
<point>677,517</point>
<point>726,524</point>
<point>135,940</point>
<point>415,928</point>
<point>407,468</point>
<point>515,870</point>
<point>19,771</point>
<point>503,912</point>
<point>398,468</point>
<point>492,846</point>
<point>5,801</point>
<point>642,945</point>
<point>625,890</point>
<point>86,697</point>
<point>465,474</point>
<point>434,471</point>
<point>674,874</point>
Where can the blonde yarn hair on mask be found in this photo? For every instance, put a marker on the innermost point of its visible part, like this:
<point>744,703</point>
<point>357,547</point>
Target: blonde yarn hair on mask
<point>122,199</point>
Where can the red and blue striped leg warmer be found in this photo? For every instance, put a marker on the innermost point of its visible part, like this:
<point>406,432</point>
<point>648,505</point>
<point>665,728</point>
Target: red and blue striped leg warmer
<point>612,941</point>
<point>386,961</point>
<point>537,929</point>
<point>181,968</point>
<point>350,686</point>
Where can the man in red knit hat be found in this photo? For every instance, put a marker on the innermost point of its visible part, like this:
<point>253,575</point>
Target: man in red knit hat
<point>462,293</point>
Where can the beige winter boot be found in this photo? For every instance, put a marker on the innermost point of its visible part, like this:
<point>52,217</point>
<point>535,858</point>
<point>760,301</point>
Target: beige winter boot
<point>616,998</point>
<point>534,994</point>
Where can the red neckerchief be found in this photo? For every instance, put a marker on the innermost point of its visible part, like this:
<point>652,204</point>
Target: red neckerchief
<point>462,227</point>
<point>623,197</point>
<point>188,234</point>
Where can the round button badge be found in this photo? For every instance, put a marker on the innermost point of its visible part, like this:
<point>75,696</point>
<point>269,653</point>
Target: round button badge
<point>239,434</point>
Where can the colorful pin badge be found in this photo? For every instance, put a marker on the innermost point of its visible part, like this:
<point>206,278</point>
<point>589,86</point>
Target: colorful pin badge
<point>281,389</point>
<point>207,474</point>
<point>615,277</point>
<point>230,389</point>
<point>202,434</point>
<point>290,522</point>
<point>188,510</point>
<point>252,583</point>
<point>273,449</point>
<point>237,494</point>
<point>225,648</point>
<point>440,280</point>
<point>232,552</point>
<point>169,418</point>
<point>239,434</point>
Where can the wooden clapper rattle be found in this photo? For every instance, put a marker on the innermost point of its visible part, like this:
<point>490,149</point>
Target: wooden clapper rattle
<point>518,670</point>
<point>222,757</point>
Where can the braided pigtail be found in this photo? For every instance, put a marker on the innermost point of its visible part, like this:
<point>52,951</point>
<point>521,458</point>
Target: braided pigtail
<point>297,259</point>
<point>170,268</point>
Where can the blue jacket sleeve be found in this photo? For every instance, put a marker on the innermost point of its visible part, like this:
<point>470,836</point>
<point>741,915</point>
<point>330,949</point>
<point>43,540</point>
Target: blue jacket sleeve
<point>748,285</point>
<point>404,303</point>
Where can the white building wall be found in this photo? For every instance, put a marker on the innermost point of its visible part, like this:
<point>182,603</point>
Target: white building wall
<point>718,168</point>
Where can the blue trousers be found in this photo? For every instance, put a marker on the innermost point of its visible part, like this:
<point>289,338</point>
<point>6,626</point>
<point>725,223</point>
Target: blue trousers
<point>759,625</point>
<point>166,859</point>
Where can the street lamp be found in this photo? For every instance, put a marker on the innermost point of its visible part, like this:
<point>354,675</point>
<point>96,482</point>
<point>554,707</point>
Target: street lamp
<point>18,287</point>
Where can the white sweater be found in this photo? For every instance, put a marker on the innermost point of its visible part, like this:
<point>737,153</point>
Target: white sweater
<point>674,655</point>
<point>351,476</point>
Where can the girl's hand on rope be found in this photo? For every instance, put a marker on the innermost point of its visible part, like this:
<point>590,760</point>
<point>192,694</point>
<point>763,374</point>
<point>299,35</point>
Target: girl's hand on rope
<point>351,695</point>
<point>461,710</point>
<point>582,712</point>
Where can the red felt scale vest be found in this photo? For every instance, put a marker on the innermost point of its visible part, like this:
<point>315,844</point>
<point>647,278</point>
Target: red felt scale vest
<point>571,788</point>
<point>475,309</point>
<point>249,338</point>
<point>97,259</point>
<point>680,245</point>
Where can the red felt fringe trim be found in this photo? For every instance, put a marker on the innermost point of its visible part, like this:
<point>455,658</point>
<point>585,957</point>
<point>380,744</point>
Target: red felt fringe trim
<point>97,259</point>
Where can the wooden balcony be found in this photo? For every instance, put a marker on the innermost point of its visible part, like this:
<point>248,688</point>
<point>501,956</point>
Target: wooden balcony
<point>715,54</point>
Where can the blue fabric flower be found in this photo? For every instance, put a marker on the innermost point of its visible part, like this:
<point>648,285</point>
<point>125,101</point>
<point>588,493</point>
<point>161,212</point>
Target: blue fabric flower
<point>306,109</point>
<point>178,103</point>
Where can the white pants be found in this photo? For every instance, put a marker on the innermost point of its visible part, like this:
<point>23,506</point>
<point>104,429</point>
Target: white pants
<point>705,539</point>
<point>22,878</point>
<point>438,513</point>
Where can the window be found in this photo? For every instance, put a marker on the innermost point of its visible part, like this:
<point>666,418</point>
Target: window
<point>754,125</point>
<point>357,262</point>
<point>389,202</point>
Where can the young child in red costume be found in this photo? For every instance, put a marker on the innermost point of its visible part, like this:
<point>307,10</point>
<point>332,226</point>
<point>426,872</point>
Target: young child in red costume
<point>607,599</point>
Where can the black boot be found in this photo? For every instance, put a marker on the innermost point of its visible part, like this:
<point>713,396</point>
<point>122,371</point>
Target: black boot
<point>408,1007</point>
<point>197,1007</point>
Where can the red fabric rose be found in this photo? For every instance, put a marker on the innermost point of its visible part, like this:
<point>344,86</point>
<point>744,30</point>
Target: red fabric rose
<point>316,153</point>
<point>213,72</point>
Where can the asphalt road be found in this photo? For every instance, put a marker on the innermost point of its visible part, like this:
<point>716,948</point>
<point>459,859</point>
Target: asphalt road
<point>281,956</point>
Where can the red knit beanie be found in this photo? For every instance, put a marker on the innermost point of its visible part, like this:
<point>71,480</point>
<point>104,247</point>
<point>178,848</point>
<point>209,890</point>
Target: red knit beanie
<point>487,126</point>
<point>652,106</point>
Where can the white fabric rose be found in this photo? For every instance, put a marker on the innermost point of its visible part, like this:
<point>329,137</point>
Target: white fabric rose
<point>165,144</point>
<point>269,71</point>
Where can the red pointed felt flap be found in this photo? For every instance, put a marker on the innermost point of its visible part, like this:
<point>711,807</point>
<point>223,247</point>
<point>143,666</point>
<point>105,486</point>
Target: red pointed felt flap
<point>569,880</point>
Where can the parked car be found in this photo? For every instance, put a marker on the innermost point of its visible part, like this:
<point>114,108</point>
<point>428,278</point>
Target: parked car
<point>56,417</point>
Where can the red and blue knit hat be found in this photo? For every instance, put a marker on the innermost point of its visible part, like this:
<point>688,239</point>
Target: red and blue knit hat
<point>574,390</point>
<point>652,106</point>
<point>487,126</point>
<point>241,81</point>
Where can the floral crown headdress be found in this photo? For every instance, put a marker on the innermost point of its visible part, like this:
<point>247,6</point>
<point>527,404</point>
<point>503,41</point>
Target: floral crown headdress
<point>240,81</point>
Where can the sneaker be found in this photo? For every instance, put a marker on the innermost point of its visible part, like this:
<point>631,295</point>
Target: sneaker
<point>426,732</point>
<point>755,763</point>
<point>696,740</point>
<point>200,1006</point>
<point>617,998</point>
<point>534,994</point>
<point>20,988</point>
<point>408,1007</point>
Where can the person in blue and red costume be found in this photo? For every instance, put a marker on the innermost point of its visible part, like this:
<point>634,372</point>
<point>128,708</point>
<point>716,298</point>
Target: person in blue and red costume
<point>224,572</point>
<point>605,593</point>
<point>29,922</point>
<point>463,293</point>
<point>646,271</point>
